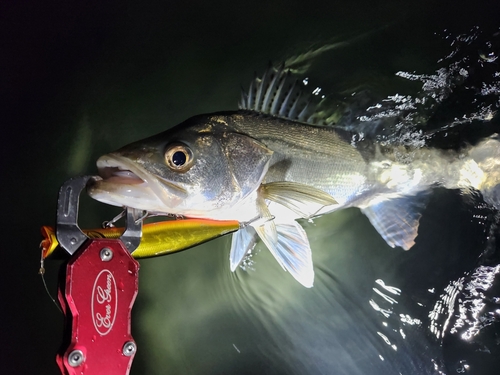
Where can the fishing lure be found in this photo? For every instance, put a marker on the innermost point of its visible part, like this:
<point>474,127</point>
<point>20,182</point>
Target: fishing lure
<point>160,238</point>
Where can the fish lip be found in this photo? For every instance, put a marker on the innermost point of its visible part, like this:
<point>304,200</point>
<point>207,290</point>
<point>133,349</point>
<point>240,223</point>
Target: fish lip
<point>114,168</point>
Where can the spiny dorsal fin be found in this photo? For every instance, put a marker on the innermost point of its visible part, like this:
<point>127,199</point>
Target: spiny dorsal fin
<point>280,94</point>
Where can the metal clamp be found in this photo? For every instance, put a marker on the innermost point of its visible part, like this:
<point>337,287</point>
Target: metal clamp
<point>70,236</point>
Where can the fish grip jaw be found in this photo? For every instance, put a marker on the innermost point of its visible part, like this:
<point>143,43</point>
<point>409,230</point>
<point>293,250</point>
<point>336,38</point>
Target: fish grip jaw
<point>97,289</point>
<point>68,233</point>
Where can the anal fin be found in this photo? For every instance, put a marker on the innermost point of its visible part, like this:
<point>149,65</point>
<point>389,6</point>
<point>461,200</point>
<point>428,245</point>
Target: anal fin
<point>397,219</point>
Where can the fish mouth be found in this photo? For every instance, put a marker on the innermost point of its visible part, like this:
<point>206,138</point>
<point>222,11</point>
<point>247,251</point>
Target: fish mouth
<point>116,169</point>
<point>118,175</point>
<point>123,182</point>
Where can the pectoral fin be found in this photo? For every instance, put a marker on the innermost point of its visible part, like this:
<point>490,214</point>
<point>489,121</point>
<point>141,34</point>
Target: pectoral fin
<point>303,199</point>
<point>397,219</point>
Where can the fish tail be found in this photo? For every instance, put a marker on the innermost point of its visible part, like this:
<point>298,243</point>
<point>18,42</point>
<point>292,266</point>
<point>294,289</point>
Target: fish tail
<point>482,169</point>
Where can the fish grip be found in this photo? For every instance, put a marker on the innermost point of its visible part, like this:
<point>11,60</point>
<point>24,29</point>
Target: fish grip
<point>97,289</point>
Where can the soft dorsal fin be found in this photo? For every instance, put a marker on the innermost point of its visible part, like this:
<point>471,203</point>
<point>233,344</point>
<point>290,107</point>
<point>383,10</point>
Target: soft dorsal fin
<point>280,94</point>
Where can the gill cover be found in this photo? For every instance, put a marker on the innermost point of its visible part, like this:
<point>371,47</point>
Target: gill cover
<point>248,161</point>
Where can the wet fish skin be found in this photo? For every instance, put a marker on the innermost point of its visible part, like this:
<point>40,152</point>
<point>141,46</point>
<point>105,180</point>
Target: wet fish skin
<point>315,155</point>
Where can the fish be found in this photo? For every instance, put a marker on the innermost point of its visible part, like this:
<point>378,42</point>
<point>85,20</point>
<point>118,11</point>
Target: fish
<point>280,158</point>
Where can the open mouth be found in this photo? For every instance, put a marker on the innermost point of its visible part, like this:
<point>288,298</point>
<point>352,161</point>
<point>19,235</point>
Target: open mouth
<point>118,175</point>
<point>123,182</point>
<point>114,171</point>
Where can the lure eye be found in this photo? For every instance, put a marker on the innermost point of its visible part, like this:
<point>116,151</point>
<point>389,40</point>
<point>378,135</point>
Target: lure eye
<point>179,157</point>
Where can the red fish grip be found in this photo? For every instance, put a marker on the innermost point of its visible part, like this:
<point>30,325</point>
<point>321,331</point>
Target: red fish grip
<point>97,293</point>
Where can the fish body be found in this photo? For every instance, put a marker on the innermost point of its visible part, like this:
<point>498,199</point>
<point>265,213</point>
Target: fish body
<point>271,163</point>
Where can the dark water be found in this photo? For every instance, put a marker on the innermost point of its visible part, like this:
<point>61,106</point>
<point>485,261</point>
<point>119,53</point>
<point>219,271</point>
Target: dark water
<point>81,79</point>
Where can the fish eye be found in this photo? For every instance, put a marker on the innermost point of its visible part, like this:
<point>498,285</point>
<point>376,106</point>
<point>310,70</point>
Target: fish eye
<point>179,157</point>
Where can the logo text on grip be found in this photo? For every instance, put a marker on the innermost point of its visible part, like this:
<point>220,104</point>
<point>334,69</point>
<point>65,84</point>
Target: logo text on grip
<point>104,302</point>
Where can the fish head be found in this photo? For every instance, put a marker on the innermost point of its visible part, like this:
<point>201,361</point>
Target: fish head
<point>197,169</point>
